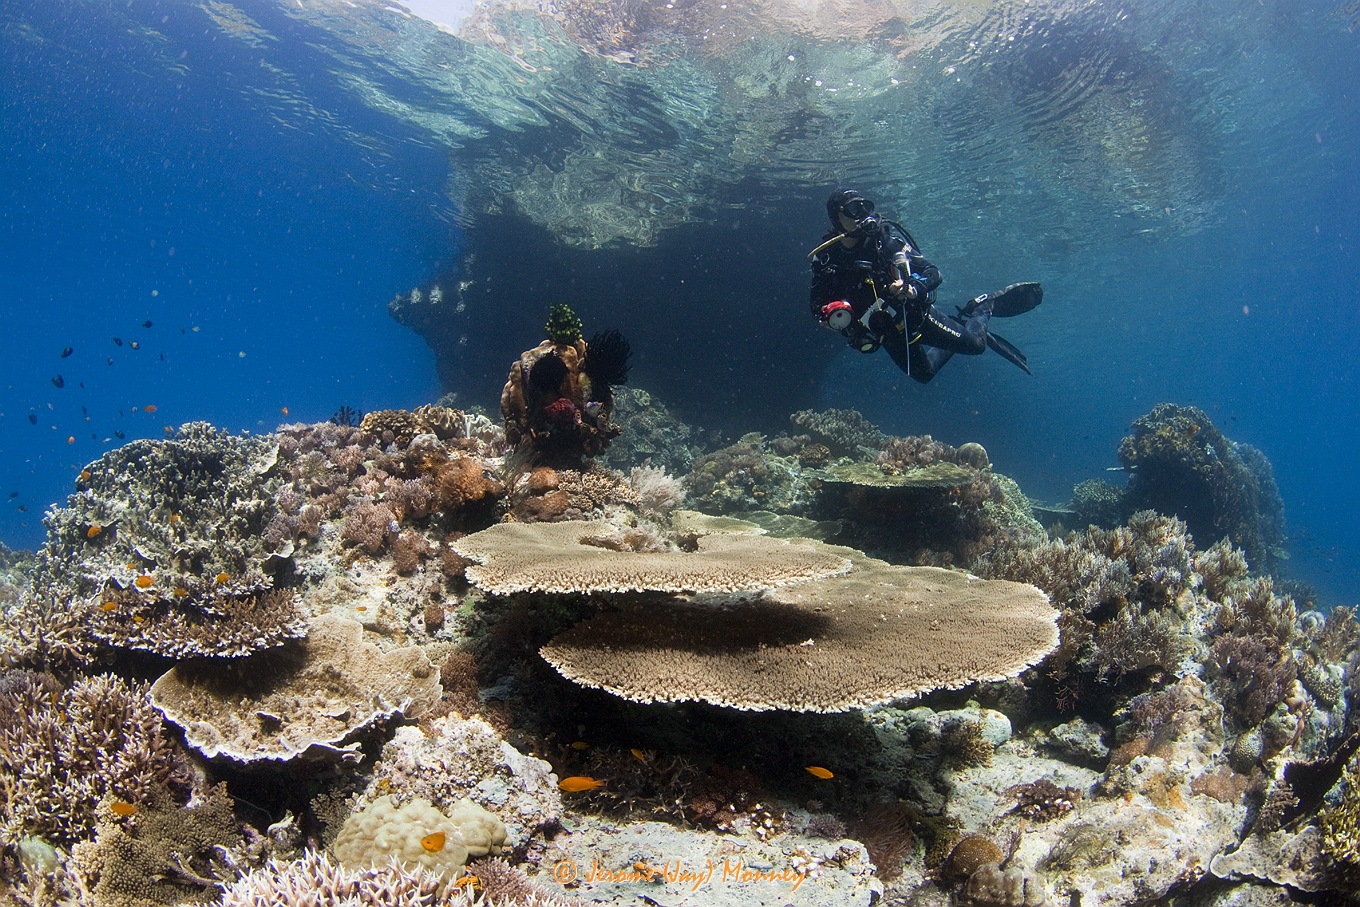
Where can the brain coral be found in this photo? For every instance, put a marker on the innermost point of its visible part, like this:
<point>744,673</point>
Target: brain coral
<point>558,557</point>
<point>449,759</point>
<point>870,636</point>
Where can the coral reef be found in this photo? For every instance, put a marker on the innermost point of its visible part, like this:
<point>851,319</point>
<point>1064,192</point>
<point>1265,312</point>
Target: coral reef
<point>68,752</point>
<point>1183,465</point>
<point>845,431</point>
<point>308,701</point>
<point>1116,716</point>
<point>652,435</point>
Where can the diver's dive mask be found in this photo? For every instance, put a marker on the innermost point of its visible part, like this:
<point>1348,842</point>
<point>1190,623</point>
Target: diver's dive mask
<point>858,209</point>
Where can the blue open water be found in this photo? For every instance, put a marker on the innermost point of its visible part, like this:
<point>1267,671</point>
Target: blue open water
<point>249,179</point>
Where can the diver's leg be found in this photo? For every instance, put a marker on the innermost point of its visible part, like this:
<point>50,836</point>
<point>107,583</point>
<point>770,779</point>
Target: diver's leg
<point>940,330</point>
<point>926,361</point>
<point>896,344</point>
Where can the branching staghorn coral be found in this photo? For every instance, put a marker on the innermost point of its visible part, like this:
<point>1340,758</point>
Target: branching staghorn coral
<point>63,752</point>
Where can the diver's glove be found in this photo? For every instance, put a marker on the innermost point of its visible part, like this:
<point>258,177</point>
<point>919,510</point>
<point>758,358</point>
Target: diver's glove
<point>915,288</point>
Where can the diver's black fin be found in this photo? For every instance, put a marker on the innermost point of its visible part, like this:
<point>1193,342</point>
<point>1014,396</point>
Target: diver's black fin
<point>1017,299</point>
<point>1008,350</point>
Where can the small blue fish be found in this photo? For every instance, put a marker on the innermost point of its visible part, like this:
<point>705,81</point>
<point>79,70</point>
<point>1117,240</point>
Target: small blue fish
<point>58,381</point>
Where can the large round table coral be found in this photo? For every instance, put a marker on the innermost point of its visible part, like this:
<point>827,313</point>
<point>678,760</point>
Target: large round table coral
<point>876,634</point>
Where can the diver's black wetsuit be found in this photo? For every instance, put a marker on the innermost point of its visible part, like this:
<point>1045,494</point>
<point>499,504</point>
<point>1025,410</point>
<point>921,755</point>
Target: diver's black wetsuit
<point>919,337</point>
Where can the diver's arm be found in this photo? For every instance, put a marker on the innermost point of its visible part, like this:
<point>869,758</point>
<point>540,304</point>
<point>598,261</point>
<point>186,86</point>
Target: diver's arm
<point>819,293</point>
<point>925,274</point>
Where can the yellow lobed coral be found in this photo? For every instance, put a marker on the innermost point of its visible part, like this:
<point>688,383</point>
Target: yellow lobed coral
<point>417,836</point>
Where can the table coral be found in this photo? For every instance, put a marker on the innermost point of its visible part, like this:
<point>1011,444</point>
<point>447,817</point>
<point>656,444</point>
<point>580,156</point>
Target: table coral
<point>178,511</point>
<point>310,700</point>
<point>842,642</point>
<point>557,557</point>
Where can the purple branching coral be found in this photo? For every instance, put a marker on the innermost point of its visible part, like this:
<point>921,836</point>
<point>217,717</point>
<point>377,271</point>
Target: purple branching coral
<point>1123,593</point>
<point>370,526</point>
<point>64,751</point>
<point>1252,653</point>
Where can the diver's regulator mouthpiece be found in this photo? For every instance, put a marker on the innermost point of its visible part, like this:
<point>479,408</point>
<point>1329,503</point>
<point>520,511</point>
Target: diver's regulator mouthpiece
<point>837,315</point>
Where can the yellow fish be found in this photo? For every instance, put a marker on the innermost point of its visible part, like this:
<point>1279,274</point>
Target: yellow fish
<point>577,783</point>
<point>580,746</point>
<point>433,842</point>
<point>817,771</point>
<point>639,755</point>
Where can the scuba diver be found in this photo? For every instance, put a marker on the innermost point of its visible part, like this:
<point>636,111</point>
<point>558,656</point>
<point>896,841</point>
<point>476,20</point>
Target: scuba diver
<point>871,284</point>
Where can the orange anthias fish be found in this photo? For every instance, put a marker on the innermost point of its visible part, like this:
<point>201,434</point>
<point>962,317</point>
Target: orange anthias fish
<point>120,808</point>
<point>149,408</point>
<point>577,783</point>
<point>818,772</point>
